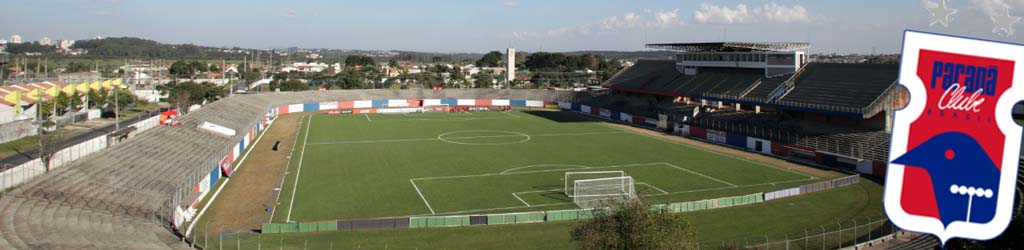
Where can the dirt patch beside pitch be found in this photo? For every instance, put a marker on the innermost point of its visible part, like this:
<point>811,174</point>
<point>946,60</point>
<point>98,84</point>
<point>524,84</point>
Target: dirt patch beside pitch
<point>242,204</point>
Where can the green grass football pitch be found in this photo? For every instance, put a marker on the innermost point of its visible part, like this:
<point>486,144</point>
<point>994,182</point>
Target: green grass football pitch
<point>385,165</point>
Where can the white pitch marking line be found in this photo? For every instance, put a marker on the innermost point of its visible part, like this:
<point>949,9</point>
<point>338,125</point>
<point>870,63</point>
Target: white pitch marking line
<point>302,154</point>
<point>702,175</point>
<point>566,203</point>
<point>277,201</point>
<point>465,137</point>
<point>368,117</point>
<point>521,199</point>
<point>535,171</point>
<point>652,186</point>
<point>809,177</point>
<point>421,196</point>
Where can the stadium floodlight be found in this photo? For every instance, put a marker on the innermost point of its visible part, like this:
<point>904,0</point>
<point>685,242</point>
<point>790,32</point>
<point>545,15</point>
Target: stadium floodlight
<point>572,177</point>
<point>602,192</point>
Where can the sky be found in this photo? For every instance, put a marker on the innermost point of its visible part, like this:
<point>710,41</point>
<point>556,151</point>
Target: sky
<point>832,26</point>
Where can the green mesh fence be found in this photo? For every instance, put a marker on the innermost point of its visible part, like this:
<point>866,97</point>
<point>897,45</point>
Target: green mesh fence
<point>270,228</point>
<point>325,226</point>
<point>661,208</point>
<point>515,218</point>
<point>562,215</point>
<point>288,227</point>
<point>585,214</point>
<point>307,227</point>
<point>725,202</point>
<point>415,222</point>
<point>529,217</point>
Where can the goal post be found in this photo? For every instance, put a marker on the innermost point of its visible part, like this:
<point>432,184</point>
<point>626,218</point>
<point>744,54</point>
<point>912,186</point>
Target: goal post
<point>602,192</point>
<point>572,177</point>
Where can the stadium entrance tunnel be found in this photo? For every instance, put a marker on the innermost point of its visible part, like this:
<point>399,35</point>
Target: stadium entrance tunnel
<point>484,137</point>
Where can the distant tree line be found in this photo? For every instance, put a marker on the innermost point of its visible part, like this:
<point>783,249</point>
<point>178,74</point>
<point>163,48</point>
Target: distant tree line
<point>30,47</point>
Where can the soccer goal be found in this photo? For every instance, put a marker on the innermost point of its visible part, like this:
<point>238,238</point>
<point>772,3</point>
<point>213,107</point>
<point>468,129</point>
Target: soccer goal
<point>602,192</point>
<point>572,177</point>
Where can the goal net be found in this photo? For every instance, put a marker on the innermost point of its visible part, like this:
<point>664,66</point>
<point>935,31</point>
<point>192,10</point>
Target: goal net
<point>602,192</point>
<point>572,177</point>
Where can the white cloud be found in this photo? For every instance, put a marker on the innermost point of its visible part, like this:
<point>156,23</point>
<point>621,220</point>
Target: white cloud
<point>627,21</point>
<point>741,13</point>
<point>991,7</point>
<point>783,14</point>
<point>667,18</point>
<point>511,4</point>
<point>709,13</point>
<point>630,20</point>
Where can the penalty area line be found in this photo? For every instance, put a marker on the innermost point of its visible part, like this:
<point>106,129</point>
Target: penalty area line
<point>421,196</point>
<point>521,200</point>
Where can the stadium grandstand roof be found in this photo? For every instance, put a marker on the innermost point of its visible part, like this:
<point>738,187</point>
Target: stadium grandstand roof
<point>730,46</point>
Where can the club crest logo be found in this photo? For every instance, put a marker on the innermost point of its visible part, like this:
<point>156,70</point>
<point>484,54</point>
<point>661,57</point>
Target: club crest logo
<point>955,146</point>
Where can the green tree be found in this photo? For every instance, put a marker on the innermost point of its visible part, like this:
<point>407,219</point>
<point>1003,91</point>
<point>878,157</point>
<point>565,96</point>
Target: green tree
<point>75,67</point>
<point>180,69</point>
<point>484,79</point>
<point>358,60</point>
<point>63,102</point>
<point>214,68</point>
<point>633,225</point>
<point>196,67</point>
<point>294,85</point>
<point>491,59</point>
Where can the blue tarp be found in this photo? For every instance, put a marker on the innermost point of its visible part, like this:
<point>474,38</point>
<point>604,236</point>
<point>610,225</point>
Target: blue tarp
<point>311,107</point>
<point>517,103</point>
<point>450,102</point>
<point>736,140</point>
<point>379,103</point>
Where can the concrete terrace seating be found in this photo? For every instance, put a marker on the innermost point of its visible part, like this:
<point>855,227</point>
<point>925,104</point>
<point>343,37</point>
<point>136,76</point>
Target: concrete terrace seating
<point>662,77</point>
<point>763,90</point>
<point>644,73</point>
<point>849,85</point>
<point>122,197</point>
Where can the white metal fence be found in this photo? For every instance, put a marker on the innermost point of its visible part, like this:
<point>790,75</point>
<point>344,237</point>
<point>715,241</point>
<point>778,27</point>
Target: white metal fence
<point>16,175</point>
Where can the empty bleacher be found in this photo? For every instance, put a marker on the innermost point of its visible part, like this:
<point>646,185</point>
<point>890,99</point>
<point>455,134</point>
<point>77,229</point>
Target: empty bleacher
<point>847,85</point>
<point>662,77</point>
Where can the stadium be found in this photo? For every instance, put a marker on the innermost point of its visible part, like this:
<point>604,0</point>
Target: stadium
<point>758,147</point>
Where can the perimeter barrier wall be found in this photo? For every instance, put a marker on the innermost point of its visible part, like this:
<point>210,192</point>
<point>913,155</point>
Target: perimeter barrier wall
<point>544,216</point>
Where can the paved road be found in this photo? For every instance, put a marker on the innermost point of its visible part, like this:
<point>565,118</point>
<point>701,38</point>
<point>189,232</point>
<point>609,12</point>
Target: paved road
<point>26,156</point>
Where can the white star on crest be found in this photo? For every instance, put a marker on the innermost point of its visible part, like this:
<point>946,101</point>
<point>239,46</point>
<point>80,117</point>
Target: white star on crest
<point>1004,23</point>
<point>941,14</point>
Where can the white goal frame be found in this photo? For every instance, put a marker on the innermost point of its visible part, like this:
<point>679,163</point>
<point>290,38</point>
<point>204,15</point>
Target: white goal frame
<point>570,183</point>
<point>603,192</point>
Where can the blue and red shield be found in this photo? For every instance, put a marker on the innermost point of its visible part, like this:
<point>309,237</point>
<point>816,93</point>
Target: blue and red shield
<point>955,146</point>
